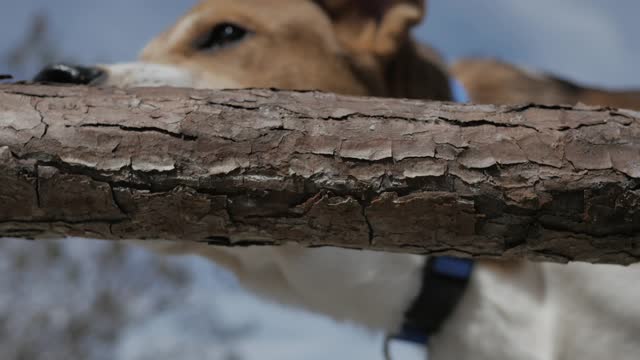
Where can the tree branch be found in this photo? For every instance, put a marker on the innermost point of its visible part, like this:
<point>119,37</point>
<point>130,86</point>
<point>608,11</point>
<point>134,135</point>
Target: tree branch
<point>263,167</point>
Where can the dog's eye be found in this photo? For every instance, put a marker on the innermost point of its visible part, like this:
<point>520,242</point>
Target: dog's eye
<point>221,35</point>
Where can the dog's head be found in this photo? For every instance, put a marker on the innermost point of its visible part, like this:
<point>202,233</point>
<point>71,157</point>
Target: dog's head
<point>359,47</point>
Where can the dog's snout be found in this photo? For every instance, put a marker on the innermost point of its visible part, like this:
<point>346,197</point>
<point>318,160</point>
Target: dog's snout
<point>68,74</point>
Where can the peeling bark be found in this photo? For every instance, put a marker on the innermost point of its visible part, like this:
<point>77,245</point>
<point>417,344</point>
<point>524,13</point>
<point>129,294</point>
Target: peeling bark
<point>264,167</point>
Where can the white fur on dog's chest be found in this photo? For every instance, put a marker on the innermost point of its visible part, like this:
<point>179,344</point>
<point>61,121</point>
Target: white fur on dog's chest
<point>369,288</point>
<point>545,312</point>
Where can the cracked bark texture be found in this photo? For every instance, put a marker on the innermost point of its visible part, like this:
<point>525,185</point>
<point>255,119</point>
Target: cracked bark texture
<point>250,167</point>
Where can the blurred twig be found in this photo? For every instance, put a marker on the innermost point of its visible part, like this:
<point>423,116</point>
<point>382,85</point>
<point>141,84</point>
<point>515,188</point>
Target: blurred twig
<point>36,47</point>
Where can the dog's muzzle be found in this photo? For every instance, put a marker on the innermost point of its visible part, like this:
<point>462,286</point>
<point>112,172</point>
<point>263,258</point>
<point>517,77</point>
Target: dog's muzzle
<point>69,74</point>
<point>134,74</point>
<point>123,75</point>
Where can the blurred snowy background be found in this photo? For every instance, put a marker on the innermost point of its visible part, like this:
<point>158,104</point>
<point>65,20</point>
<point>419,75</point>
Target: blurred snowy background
<point>78,299</point>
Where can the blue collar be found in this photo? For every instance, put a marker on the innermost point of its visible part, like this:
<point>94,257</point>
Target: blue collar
<point>444,281</point>
<point>458,92</point>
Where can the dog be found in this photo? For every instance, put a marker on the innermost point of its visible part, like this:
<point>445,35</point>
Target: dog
<point>507,310</point>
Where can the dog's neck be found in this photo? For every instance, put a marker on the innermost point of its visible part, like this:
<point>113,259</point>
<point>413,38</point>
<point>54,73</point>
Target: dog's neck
<point>375,288</point>
<point>521,306</point>
<point>418,72</point>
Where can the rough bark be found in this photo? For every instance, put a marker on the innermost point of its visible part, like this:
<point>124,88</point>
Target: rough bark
<point>263,167</point>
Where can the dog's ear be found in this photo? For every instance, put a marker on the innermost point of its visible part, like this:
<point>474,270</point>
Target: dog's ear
<point>380,27</point>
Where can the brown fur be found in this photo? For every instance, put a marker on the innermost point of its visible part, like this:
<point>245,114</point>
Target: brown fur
<point>323,45</point>
<point>354,47</point>
<point>494,82</point>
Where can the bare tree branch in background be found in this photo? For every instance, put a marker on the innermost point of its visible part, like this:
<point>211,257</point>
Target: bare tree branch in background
<point>86,300</point>
<point>37,46</point>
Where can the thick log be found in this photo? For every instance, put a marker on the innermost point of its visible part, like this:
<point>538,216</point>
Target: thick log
<point>264,167</point>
